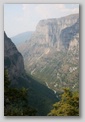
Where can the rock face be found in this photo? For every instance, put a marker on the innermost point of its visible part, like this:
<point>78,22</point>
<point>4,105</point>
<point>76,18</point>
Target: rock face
<point>70,36</point>
<point>13,60</point>
<point>52,33</point>
<point>48,31</point>
<point>53,52</point>
<point>39,95</point>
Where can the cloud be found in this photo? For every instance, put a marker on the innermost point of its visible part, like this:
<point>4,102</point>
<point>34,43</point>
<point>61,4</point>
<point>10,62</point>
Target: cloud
<point>24,7</point>
<point>54,10</point>
<point>28,15</point>
<point>44,11</point>
<point>75,10</point>
<point>59,6</point>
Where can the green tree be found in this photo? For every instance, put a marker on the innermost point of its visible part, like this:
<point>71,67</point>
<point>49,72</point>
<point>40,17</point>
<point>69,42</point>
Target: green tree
<point>16,100</point>
<point>67,106</point>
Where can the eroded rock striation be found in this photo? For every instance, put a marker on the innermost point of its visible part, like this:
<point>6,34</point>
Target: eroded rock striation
<point>53,51</point>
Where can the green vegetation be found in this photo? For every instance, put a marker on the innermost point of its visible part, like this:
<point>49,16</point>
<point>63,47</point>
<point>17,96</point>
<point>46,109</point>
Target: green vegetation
<point>16,100</point>
<point>60,69</point>
<point>21,101</point>
<point>67,106</point>
<point>41,97</point>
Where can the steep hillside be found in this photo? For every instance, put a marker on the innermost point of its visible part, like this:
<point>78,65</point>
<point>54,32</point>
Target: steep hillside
<point>40,97</point>
<point>53,53</point>
<point>13,60</point>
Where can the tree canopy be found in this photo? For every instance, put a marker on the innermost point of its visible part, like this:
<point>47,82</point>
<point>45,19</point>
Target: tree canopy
<point>67,106</point>
<point>16,100</point>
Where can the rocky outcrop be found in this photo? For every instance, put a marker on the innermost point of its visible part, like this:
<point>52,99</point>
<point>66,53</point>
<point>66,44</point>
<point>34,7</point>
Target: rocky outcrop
<point>61,33</point>
<point>48,31</point>
<point>13,60</point>
<point>57,34</point>
<point>70,36</point>
<point>53,50</point>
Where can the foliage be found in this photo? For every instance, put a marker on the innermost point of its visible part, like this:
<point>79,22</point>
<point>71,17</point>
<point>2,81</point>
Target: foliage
<point>16,100</point>
<point>67,106</point>
<point>60,69</point>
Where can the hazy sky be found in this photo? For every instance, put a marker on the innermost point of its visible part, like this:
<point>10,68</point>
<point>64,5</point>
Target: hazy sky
<point>19,18</point>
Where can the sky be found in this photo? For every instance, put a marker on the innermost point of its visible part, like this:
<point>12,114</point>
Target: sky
<point>19,18</point>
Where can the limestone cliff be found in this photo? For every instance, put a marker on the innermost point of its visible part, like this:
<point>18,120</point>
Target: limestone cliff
<point>48,31</point>
<point>70,36</point>
<point>52,33</point>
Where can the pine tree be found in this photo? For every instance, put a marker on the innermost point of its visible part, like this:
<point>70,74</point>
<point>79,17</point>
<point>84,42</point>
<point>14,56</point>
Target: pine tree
<point>67,106</point>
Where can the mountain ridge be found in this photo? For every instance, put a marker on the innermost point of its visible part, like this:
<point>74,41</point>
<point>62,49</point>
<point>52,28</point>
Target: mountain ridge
<point>53,51</point>
<point>21,38</point>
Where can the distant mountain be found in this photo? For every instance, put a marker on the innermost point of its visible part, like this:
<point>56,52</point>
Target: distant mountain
<point>40,97</point>
<point>53,53</point>
<point>20,38</point>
